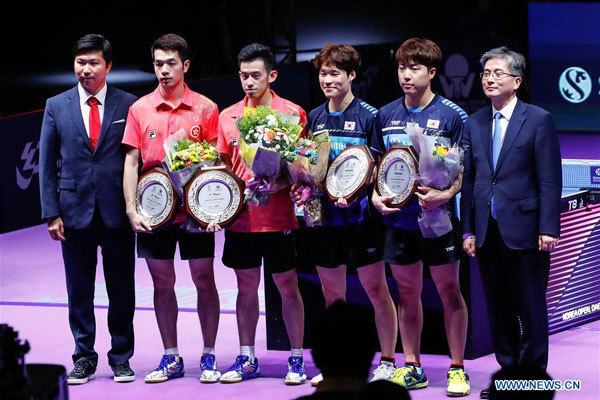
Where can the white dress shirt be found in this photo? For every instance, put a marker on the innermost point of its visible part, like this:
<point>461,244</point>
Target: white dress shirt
<point>506,112</point>
<point>85,107</point>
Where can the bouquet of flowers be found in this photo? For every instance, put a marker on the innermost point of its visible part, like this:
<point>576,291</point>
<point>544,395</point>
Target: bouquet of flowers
<point>267,139</point>
<point>439,166</point>
<point>184,157</point>
<point>307,168</point>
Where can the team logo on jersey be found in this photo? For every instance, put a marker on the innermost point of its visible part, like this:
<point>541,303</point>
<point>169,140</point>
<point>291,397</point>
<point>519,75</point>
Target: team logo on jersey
<point>349,125</point>
<point>234,142</point>
<point>195,131</point>
<point>321,126</point>
<point>395,123</point>
<point>433,123</point>
<point>152,134</point>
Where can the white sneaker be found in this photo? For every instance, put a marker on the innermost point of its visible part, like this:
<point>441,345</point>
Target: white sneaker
<point>316,380</point>
<point>209,368</point>
<point>296,374</point>
<point>383,372</point>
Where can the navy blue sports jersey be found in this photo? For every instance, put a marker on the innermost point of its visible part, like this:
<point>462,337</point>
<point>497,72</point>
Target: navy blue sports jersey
<point>355,125</point>
<point>441,117</point>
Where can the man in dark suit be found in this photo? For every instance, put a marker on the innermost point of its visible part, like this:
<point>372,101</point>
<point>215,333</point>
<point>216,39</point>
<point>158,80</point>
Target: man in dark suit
<point>81,175</point>
<point>510,209</point>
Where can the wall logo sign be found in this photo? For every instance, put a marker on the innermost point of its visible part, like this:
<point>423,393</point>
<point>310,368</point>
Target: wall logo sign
<point>575,84</point>
<point>457,81</point>
<point>30,167</point>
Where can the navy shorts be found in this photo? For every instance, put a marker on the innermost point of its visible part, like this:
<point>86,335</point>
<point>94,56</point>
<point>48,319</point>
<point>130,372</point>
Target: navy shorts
<point>407,247</point>
<point>355,245</point>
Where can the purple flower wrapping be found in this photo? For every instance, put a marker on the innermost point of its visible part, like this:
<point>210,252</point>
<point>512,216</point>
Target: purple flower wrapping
<point>438,172</point>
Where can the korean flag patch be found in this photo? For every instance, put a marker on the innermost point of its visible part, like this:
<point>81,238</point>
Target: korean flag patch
<point>349,125</point>
<point>433,123</point>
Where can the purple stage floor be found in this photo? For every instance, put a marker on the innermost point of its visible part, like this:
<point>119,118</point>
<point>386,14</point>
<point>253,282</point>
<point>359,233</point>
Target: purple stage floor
<point>33,301</point>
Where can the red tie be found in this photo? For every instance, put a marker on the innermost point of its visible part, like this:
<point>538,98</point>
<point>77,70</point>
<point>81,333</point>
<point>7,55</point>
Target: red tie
<point>94,121</point>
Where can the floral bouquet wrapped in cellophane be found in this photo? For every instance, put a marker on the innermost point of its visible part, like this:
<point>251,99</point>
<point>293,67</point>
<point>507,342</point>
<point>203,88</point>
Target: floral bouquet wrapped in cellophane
<point>267,139</point>
<point>440,164</point>
<point>307,168</point>
<point>184,157</point>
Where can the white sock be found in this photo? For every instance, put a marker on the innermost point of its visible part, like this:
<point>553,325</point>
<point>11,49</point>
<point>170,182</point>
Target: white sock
<point>173,351</point>
<point>297,352</point>
<point>248,351</point>
<point>208,350</point>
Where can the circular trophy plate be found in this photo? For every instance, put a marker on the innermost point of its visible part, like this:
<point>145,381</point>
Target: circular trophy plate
<point>396,176</point>
<point>349,173</point>
<point>155,198</point>
<point>214,195</point>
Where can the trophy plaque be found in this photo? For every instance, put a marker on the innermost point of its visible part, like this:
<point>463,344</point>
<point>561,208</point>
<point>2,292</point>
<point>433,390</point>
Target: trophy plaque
<point>214,194</point>
<point>349,173</point>
<point>155,198</point>
<point>396,175</point>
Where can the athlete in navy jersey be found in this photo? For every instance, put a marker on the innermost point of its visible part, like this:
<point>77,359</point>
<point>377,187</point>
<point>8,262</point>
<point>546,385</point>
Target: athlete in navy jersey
<point>351,237</point>
<point>405,248</point>
<point>353,126</point>
<point>440,117</point>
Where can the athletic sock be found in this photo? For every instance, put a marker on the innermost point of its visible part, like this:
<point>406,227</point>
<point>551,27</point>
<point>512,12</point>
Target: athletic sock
<point>459,366</point>
<point>414,364</point>
<point>208,351</point>
<point>387,360</point>
<point>173,351</point>
<point>248,351</point>
<point>297,353</point>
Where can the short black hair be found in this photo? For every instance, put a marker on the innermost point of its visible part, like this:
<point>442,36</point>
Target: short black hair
<point>339,328</point>
<point>94,42</point>
<point>172,42</point>
<point>257,51</point>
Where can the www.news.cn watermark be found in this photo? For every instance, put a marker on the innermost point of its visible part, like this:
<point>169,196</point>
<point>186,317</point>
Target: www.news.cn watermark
<point>537,384</point>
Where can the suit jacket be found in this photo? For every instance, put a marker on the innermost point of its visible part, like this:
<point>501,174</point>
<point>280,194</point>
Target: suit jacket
<point>526,184</point>
<point>82,176</point>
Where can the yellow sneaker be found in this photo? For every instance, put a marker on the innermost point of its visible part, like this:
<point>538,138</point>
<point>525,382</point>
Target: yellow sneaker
<point>409,377</point>
<point>458,383</point>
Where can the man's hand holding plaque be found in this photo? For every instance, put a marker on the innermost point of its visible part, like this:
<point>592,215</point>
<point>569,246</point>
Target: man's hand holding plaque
<point>155,199</point>
<point>214,197</point>
<point>396,177</point>
<point>348,174</point>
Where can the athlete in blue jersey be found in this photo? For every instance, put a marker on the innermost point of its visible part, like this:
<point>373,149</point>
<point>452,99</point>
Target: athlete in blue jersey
<point>350,238</point>
<point>405,248</point>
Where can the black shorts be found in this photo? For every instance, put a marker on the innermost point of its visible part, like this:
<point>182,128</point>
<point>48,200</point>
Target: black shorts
<point>353,245</point>
<point>160,245</point>
<point>407,247</point>
<point>246,250</point>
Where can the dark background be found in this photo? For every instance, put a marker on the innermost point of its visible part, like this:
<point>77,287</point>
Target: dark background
<point>38,39</point>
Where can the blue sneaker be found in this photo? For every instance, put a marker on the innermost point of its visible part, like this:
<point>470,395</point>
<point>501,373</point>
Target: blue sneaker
<point>296,373</point>
<point>170,367</point>
<point>208,367</point>
<point>241,369</point>
<point>410,377</point>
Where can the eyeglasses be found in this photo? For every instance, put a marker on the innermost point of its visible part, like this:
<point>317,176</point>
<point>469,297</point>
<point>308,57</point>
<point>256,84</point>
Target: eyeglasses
<point>497,75</point>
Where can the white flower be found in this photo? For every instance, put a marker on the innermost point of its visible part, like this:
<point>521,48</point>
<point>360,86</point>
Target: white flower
<point>277,147</point>
<point>271,120</point>
<point>260,129</point>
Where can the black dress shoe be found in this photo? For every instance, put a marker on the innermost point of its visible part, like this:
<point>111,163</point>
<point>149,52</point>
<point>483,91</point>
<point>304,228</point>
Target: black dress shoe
<point>485,394</point>
<point>123,373</point>
<point>83,371</point>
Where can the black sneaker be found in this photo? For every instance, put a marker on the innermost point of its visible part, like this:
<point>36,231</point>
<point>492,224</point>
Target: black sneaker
<point>83,371</point>
<point>123,373</point>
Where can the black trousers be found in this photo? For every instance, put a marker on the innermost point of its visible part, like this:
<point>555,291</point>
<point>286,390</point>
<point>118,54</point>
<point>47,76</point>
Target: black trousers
<point>515,283</point>
<point>80,251</point>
